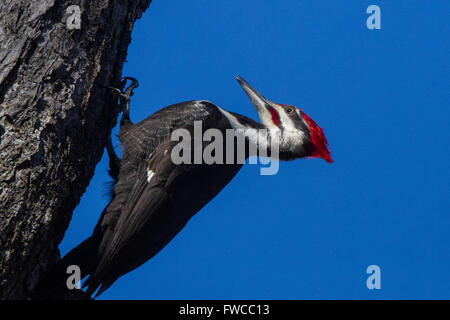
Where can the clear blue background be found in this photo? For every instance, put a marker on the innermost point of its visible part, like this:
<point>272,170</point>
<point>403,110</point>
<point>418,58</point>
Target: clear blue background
<point>382,97</point>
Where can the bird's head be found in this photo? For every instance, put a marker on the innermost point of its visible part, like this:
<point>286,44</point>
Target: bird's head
<point>299,135</point>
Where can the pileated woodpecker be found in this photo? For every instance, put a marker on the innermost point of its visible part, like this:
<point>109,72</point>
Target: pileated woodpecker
<point>153,198</point>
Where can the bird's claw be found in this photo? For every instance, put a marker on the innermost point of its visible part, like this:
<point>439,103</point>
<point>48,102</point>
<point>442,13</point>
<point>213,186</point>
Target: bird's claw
<point>134,82</point>
<point>125,94</point>
<point>117,91</point>
<point>128,91</point>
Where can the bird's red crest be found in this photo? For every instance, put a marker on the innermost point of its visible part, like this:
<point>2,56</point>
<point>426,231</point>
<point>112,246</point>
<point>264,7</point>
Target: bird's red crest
<point>319,142</point>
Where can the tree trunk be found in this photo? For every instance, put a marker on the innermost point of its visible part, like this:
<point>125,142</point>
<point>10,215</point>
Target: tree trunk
<point>55,115</point>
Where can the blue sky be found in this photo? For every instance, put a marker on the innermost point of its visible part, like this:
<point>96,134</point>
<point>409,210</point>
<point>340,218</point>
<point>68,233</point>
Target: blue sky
<point>310,231</point>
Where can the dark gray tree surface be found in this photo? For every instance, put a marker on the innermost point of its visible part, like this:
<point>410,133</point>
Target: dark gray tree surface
<point>55,115</point>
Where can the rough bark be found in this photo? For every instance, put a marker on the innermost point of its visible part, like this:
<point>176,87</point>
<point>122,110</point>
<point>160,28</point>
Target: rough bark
<point>55,115</point>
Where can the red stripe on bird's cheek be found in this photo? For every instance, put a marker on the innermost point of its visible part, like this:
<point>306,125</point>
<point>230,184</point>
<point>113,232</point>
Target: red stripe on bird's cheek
<point>275,116</point>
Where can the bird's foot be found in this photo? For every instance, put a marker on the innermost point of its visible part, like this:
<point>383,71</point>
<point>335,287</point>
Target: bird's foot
<point>133,85</point>
<point>125,94</point>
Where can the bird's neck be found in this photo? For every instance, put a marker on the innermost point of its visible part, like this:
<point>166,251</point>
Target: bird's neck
<point>275,143</point>
<point>267,142</point>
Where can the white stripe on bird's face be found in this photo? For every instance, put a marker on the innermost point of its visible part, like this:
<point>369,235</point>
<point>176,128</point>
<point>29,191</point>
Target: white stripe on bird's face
<point>290,134</point>
<point>255,136</point>
<point>285,120</point>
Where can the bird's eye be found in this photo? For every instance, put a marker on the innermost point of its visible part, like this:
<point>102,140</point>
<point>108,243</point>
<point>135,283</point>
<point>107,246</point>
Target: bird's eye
<point>289,110</point>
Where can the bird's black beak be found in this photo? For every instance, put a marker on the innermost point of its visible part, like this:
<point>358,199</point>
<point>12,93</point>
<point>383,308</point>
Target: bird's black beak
<point>266,109</point>
<point>261,104</point>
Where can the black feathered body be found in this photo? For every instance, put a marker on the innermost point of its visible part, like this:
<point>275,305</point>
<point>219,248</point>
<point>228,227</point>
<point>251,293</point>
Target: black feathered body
<point>144,215</point>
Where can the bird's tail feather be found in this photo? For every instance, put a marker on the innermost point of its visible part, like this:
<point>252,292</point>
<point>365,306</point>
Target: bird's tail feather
<point>53,286</point>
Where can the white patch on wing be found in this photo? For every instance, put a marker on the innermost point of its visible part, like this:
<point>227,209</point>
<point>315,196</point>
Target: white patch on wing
<point>150,174</point>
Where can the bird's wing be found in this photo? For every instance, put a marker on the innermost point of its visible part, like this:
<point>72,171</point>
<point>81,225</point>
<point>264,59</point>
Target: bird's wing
<point>154,181</point>
<point>146,196</point>
<point>121,228</point>
<point>139,142</point>
<point>145,222</point>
